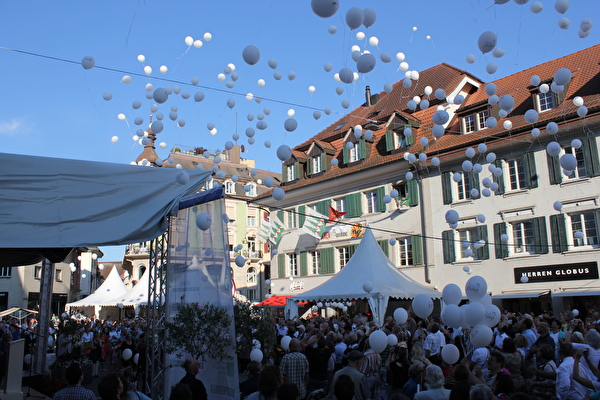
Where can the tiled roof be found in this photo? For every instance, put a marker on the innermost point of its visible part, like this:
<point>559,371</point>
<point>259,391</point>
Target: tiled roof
<point>585,83</point>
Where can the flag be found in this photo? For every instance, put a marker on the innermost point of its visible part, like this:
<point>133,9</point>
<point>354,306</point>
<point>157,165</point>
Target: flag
<point>277,228</point>
<point>403,202</point>
<point>264,230</point>
<point>334,214</point>
<point>314,223</point>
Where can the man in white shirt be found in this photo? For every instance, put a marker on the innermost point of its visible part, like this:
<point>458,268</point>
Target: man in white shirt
<point>433,343</point>
<point>566,387</point>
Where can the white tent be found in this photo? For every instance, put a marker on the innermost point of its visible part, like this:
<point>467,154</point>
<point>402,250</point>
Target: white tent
<point>112,287</point>
<point>368,264</point>
<point>136,297</point>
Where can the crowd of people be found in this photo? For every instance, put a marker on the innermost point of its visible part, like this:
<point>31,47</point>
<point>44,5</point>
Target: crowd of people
<point>530,357</point>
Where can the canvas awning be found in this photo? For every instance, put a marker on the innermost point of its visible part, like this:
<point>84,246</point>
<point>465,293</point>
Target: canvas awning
<point>277,301</point>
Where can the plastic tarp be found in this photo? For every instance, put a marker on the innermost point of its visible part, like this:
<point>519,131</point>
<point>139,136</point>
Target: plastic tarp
<point>58,203</point>
<point>111,288</point>
<point>368,264</point>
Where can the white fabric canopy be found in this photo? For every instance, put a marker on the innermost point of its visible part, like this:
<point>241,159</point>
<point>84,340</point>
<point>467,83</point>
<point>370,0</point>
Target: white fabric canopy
<point>58,203</point>
<point>111,288</point>
<point>137,296</point>
<point>368,264</point>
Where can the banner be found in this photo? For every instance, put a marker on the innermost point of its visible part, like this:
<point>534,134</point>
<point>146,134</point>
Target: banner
<point>277,228</point>
<point>314,223</point>
<point>264,230</point>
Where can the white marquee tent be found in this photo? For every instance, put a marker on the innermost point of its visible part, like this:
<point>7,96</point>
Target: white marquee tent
<point>368,264</point>
<point>136,297</point>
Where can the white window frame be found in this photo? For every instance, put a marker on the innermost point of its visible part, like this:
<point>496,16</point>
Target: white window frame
<point>229,187</point>
<point>252,192</point>
<point>341,205</point>
<point>251,275</point>
<point>371,202</point>
<point>354,153</point>
<point>58,275</point>
<point>343,256</point>
<point>291,172</point>
<point>515,168</point>
<point>464,235</point>
<point>315,262</point>
<point>462,189</point>
<point>546,95</point>
<point>580,156</point>
<point>405,254</point>
<point>37,272</point>
<point>292,218</point>
<point>317,165</point>
<point>292,259</point>
<point>6,272</point>
<point>588,226</point>
<point>481,118</point>
<point>251,220</point>
<point>469,122</point>
<point>520,232</point>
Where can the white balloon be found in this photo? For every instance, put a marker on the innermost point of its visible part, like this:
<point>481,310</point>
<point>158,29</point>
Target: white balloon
<point>471,58</point>
<point>476,288</point>
<point>208,37</point>
<point>451,294</point>
<point>422,305</point>
<point>203,221</point>
<point>450,353</point>
<point>531,116</point>
<point>256,355</point>
<point>127,354</point>
<point>476,314</point>
<point>378,341</point>
<point>452,315</point>
<point>557,205</point>
<point>392,340</point>
<point>487,41</point>
<point>400,57</point>
<point>367,286</point>
<point>492,315</point>
<point>481,336</point>
<point>285,342</point>
<point>452,216</point>
<point>507,125</point>
<point>400,315</point>
<point>552,128</point>
<point>561,6</point>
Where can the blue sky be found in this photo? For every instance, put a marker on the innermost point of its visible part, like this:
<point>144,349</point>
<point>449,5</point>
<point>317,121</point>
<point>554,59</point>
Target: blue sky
<point>53,107</point>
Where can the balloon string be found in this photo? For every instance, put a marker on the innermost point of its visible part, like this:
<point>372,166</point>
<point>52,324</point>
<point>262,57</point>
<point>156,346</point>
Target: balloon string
<point>131,24</point>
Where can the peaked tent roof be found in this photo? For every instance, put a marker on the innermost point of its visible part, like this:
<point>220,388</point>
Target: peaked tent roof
<point>137,296</point>
<point>112,287</point>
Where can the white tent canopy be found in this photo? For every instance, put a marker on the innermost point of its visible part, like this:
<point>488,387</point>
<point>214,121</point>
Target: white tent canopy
<point>136,297</point>
<point>368,264</point>
<point>111,288</point>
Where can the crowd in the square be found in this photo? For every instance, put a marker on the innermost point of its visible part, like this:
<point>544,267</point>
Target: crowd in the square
<point>537,357</point>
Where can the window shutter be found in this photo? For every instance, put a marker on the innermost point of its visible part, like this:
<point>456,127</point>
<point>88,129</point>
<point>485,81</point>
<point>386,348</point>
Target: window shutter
<point>324,163</point>
<point>554,170</point>
<point>301,215</point>
<point>540,236</point>
<point>345,154</point>
<point>446,187</point>
<point>281,265</point>
<point>590,155</point>
<point>500,247</point>
<point>354,204</point>
<point>351,249</point>
<point>499,179</point>
<point>363,149</point>
<point>417,249</point>
<point>309,165</point>
<point>327,261</point>
<point>385,246</point>
<point>280,215</point>
<point>448,247</point>
<point>530,170</point>
<point>412,188</point>
<point>323,207</point>
<point>410,139</point>
<point>389,140</point>
<point>284,177</point>
<point>474,181</point>
<point>297,169</point>
<point>381,206</point>
<point>481,233</point>
<point>303,263</point>
<point>558,232</point>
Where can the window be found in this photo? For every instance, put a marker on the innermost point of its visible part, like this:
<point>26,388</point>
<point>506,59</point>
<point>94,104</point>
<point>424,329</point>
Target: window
<point>354,153</point>
<point>340,205</point>
<point>251,294</point>
<point>293,264</point>
<point>580,171</point>
<point>58,275</point>
<point>291,172</point>
<point>37,272</point>
<point>405,249</point>
<point>475,122</point>
<point>523,240</point>
<point>516,174</point>
<point>584,229</point>
<point>208,184</point>
<point>251,275</point>
<point>371,202</point>
<point>229,187</point>
<point>317,165</point>
<point>251,220</point>
<point>251,189</point>
<point>469,123</point>
<point>463,187</point>
<point>343,256</point>
<point>546,101</point>
<point>5,272</point>
<point>465,240</point>
<point>481,119</point>
<point>315,262</point>
<point>292,220</point>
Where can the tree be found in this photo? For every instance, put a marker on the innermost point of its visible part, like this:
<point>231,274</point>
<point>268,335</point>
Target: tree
<point>253,322</point>
<point>200,331</point>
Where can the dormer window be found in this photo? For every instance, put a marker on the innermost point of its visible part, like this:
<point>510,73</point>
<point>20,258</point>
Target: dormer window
<point>229,187</point>
<point>546,101</point>
<point>549,100</point>
<point>317,165</point>
<point>291,172</point>
<point>317,154</point>
<point>475,122</point>
<point>396,139</point>
<point>354,153</point>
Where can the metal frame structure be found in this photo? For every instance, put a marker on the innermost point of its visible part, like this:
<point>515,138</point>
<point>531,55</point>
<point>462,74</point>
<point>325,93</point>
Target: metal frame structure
<point>155,336</point>
<point>46,284</point>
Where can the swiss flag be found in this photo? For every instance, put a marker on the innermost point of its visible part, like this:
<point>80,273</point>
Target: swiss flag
<point>334,214</point>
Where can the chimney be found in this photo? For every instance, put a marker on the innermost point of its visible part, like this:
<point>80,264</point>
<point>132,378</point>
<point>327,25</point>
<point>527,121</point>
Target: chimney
<point>368,96</point>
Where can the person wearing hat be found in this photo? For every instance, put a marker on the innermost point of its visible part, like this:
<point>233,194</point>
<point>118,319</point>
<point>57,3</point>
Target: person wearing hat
<point>361,387</point>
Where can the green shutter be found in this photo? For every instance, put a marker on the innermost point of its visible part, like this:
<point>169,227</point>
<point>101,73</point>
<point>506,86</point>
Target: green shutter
<point>323,207</point>
<point>500,247</point>
<point>412,189</point>
<point>531,177</point>
<point>297,170</point>
<point>417,249</point>
<point>345,154</point>
<point>281,265</point>
<point>354,203</point>
<point>540,236</point>
<point>284,177</point>
<point>385,246</point>
<point>481,233</point>
<point>448,247</point>
<point>474,182</point>
<point>381,206</point>
<point>303,263</point>
<point>499,179</point>
<point>590,156</point>
<point>363,148</point>
<point>309,166</point>
<point>301,215</point>
<point>389,140</point>
<point>280,216</point>
<point>351,249</point>
<point>327,261</point>
<point>411,139</point>
<point>324,163</point>
<point>558,232</point>
<point>554,170</point>
<point>446,187</point>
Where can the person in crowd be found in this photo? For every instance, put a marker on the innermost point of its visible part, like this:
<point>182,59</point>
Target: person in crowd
<point>361,388</point>
<point>460,391</point>
<point>74,375</point>
<point>398,365</point>
<point>513,362</point>
<point>592,343</point>
<point>110,387</point>
<point>344,388</point>
<point>180,391</point>
<point>129,393</point>
<point>371,368</point>
<point>268,382</point>
<point>340,349</point>
<point>543,330</point>
<point>414,382</point>
<point>566,386</point>
<point>4,344</point>
<point>318,359</point>
<point>288,391</point>
<point>294,367</point>
<point>433,343</point>
<point>503,385</point>
<point>95,355</point>
<point>590,382</point>
<point>416,356</point>
<point>434,379</point>
<point>250,385</point>
<point>543,382</point>
<point>521,344</point>
<point>481,392</point>
<point>192,367</point>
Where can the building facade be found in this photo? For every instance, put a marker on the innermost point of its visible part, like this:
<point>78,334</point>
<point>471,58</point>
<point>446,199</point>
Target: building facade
<point>458,177</point>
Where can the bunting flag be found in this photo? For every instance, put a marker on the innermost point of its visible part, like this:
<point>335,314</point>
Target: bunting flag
<point>334,214</point>
<point>403,202</point>
<point>264,230</point>
<point>314,223</point>
<point>277,228</point>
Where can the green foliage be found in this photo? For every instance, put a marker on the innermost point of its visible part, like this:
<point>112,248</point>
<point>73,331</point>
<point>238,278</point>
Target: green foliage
<point>252,322</point>
<point>201,331</point>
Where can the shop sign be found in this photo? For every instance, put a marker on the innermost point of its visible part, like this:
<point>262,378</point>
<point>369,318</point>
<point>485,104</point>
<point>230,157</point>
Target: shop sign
<point>554,273</point>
